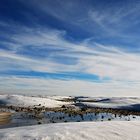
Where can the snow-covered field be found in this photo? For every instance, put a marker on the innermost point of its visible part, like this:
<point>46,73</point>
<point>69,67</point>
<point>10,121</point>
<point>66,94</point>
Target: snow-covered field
<point>112,102</point>
<point>59,117</point>
<point>106,126</point>
<point>26,101</point>
<point>55,101</point>
<point>75,131</point>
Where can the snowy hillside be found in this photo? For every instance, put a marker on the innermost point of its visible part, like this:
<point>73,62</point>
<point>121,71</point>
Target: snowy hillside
<point>75,131</point>
<point>55,101</point>
<point>20,100</point>
<point>123,127</point>
<point>112,102</point>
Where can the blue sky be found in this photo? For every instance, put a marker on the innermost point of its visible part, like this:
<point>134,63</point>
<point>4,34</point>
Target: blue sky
<point>70,47</point>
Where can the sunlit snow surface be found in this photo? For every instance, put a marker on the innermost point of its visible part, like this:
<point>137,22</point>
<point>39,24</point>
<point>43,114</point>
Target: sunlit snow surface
<point>26,101</point>
<point>76,127</point>
<point>54,101</point>
<point>112,102</point>
<point>114,130</point>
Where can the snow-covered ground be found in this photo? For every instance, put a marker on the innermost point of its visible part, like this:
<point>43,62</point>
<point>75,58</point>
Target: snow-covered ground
<point>77,127</point>
<point>25,101</point>
<point>75,131</point>
<point>55,101</point>
<point>23,119</point>
<point>112,102</point>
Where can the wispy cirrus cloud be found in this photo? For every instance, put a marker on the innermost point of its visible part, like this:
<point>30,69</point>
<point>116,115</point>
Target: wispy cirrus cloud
<point>44,51</point>
<point>60,48</point>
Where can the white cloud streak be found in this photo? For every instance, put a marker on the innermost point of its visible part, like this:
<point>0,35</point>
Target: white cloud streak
<point>120,66</point>
<point>28,85</point>
<point>104,61</point>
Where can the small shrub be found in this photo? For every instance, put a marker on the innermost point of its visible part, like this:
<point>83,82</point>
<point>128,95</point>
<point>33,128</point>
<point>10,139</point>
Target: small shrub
<point>83,109</point>
<point>39,122</point>
<point>63,106</point>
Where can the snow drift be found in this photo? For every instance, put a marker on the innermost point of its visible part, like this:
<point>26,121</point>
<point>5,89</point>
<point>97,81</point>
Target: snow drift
<point>75,131</point>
